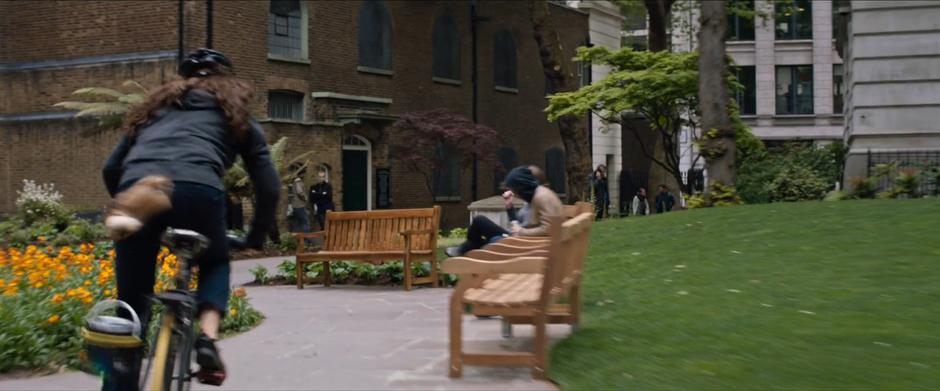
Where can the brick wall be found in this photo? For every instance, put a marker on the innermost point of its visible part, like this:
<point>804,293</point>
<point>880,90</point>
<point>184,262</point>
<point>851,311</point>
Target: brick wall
<point>240,31</point>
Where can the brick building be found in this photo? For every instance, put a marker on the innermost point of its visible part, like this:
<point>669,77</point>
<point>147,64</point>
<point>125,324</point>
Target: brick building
<point>330,75</point>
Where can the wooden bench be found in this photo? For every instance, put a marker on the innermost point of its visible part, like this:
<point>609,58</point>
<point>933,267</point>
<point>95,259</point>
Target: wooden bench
<point>527,289</point>
<point>570,211</point>
<point>375,236</point>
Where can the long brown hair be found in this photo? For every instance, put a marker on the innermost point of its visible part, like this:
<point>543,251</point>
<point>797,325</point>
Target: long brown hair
<point>232,95</point>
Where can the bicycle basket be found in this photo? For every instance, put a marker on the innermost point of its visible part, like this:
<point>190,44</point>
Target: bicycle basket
<point>110,342</point>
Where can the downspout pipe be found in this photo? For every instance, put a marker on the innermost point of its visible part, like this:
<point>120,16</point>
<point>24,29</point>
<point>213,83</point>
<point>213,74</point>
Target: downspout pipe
<point>179,31</point>
<point>208,24</point>
<point>474,81</point>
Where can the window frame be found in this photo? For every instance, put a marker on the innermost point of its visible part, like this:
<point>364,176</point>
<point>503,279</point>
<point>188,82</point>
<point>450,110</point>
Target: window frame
<point>792,21</point>
<point>740,96</point>
<point>736,23</point>
<point>838,95</point>
<point>551,176</point>
<point>442,24</point>
<point>499,61</point>
<point>291,94</point>
<point>385,57</point>
<point>303,17</point>
<point>793,101</point>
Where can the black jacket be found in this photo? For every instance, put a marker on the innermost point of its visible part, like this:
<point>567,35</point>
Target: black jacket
<point>321,195</point>
<point>192,143</point>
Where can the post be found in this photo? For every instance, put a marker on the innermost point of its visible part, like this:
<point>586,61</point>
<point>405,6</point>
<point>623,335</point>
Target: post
<point>208,24</point>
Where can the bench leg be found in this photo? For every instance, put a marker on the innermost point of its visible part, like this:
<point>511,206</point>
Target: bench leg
<point>507,329</point>
<point>407,272</point>
<point>540,351</point>
<point>435,277</point>
<point>299,270</point>
<point>456,319</point>
<point>327,277</point>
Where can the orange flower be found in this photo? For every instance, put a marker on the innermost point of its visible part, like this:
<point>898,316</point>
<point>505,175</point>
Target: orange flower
<point>41,239</point>
<point>58,298</point>
<point>240,292</point>
<point>54,319</point>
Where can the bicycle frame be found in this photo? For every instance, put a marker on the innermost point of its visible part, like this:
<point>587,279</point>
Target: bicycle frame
<point>181,303</point>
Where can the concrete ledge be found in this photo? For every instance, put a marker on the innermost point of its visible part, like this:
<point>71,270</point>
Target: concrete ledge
<point>359,98</point>
<point>375,71</point>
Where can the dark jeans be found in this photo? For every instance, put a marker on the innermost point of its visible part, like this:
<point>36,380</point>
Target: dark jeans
<point>298,221</point>
<point>481,232</point>
<point>196,207</point>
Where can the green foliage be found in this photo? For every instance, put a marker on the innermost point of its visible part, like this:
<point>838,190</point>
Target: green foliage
<point>862,188</point>
<point>238,183</point>
<point>764,174</point>
<point>261,274</point>
<point>457,233</point>
<point>796,183</point>
<point>906,183</point>
<point>107,104</point>
<point>241,315</point>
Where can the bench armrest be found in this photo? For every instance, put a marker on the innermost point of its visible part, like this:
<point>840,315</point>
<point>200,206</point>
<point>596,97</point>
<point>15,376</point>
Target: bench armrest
<point>464,265</point>
<point>300,236</point>
<point>487,255</point>
<point>515,248</point>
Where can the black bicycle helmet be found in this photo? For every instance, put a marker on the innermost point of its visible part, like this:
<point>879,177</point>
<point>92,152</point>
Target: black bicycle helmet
<point>202,63</point>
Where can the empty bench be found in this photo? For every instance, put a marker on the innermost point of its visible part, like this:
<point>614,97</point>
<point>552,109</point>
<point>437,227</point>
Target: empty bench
<point>524,288</point>
<point>379,236</point>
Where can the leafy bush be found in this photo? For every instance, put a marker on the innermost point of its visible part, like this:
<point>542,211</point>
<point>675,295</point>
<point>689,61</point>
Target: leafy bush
<point>761,168</point>
<point>261,274</point>
<point>862,188</point>
<point>796,183</point>
<point>342,272</point>
<point>40,202</point>
<point>457,233</point>
<point>906,183</point>
<point>241,315</point>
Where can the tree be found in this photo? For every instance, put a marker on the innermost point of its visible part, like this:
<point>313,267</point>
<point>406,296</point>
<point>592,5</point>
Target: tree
<point>718,144</point>
<point>106,104</point>
<point>662,87</point>
<point>574,134</point>
<point>420,137</point>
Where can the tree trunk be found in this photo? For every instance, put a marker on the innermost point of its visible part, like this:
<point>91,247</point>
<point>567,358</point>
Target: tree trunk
<point>658,11</point>
<point>718,131</point>
<point>574,133</point>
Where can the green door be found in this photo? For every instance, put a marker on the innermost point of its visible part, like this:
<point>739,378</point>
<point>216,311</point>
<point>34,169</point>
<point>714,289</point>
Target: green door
<point>355,177</point>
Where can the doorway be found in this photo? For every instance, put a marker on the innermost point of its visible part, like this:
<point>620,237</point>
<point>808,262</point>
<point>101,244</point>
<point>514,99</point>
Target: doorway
<point>357,175</point>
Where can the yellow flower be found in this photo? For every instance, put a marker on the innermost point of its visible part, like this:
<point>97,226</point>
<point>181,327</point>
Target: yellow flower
<point>233,312</point>
<point>41,239</point>
<point>58,298</point>
<point>11,290</point>
<point>53,319</point>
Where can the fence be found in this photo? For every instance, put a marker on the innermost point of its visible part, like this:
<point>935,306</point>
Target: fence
<point>925,162</point>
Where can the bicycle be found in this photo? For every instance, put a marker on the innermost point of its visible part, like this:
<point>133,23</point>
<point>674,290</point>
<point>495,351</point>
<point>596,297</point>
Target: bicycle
<point>170,357</point>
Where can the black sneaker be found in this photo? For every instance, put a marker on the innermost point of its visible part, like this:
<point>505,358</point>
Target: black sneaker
<point>211,369</point>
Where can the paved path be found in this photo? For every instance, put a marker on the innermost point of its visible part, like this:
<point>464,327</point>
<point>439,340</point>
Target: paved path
<point>346,338</point>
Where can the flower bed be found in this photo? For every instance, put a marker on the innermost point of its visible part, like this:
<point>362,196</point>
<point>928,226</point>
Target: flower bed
<point>45,293</point>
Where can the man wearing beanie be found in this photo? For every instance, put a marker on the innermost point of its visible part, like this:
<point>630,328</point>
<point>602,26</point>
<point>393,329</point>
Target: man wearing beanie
<point>543,203</point>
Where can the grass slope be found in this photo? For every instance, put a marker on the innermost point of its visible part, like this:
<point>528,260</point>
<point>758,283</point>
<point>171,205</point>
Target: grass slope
<point>821,295</point>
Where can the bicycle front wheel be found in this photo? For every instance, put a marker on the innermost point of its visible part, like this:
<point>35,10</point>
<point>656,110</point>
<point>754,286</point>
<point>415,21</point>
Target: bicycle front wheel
<point>161,372</point>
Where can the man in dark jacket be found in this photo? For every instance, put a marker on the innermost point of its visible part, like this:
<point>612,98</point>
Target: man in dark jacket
<point>321,195</point>
<point>664,200</point>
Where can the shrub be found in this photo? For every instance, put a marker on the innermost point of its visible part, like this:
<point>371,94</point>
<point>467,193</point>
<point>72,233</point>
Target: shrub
<point>457,233</point>
<point>40,202</point>
<point>758,169</point>
<point>261,274</point>
<point>906,183</point>
<point>862,187</point>
<point>796,183</point>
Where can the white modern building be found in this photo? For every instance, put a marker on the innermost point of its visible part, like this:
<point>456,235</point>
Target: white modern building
<point>605,24</point>
<point>786,60</point>
<point>892,52</point>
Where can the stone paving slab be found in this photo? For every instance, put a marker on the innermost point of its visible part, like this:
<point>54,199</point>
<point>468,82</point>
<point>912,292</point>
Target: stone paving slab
<point>347,338</point>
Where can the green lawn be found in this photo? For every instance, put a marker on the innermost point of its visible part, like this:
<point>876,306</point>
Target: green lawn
<point>816,295</point>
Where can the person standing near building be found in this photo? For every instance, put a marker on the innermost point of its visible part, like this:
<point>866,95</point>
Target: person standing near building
<point>664,200</point>
<point>297,200</point>
<point>321,195</point>
<point>601,191</point>
<point>641,205</point>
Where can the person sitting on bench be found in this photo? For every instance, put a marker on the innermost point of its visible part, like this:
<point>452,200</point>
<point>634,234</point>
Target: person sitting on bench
<point>543,203</point>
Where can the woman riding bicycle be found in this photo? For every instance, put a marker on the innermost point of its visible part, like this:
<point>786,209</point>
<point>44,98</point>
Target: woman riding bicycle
<point>190,130</point>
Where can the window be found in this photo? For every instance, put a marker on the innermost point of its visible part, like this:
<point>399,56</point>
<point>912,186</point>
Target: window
<point>447,178</point>
<point>286,105</point>
<point>287,32</point>
<point>837,88</point>
<point>508,159</point>
<point>746,97</point>
<point>794,19</point>
<point>739,27</point>
<point>504,60</point>
<point>375,36</point>
<point>446,49</point>
<point>795,89</point>
<point>555,169</point>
